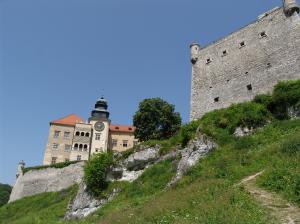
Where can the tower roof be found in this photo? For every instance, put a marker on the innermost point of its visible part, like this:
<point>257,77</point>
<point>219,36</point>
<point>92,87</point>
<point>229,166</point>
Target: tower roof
<point>70,120</point>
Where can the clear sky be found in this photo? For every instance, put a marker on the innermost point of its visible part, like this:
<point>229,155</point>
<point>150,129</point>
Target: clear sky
<point>58,56</point>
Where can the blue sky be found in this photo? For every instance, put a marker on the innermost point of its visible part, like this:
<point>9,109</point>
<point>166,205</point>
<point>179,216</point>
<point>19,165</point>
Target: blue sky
<point>57,57</point>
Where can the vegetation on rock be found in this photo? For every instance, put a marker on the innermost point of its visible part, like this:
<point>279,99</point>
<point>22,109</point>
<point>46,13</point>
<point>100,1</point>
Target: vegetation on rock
<point>95,172</point>
<point>156,119</point>
<point>56,165</point>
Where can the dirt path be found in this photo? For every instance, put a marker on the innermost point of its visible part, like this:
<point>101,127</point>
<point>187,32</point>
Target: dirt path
<point>279,207</point>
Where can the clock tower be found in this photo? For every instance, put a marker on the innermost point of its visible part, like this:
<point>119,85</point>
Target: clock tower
<point>100,127</point>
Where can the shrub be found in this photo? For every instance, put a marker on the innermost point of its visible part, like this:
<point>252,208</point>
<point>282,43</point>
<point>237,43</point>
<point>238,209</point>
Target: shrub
<point>95,172</point>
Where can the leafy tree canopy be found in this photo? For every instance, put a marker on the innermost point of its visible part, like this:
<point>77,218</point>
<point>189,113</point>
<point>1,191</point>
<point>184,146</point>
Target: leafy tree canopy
<point>156,119</point>
<point>4,193</point>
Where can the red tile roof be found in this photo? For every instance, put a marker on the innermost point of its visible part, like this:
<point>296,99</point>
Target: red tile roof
<point>121,128</point>
<point>70,120</point>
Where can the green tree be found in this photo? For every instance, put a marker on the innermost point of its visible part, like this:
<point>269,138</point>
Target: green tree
<point>4,193</point>
<point>156,119</point>
<point>95,172</point>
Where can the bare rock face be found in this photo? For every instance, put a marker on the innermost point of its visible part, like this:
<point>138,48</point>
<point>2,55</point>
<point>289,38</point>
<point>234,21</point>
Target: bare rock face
<point>294,112</point>
<point>139,160</point>
<point>243,131</point>
<point>84,204</point>
<point>46,180</point>
<point>196,149</point>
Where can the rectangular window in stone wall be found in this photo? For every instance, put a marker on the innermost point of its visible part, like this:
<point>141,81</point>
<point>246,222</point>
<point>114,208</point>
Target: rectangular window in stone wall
<point>66,134</point>
<point>56,134</point>
<point>97,136</point>
<point>78,157</point>
<point>68,147</point>
<point>53,160</point>
<point>125,143</point>
<point>114,142</point>
<point>55,146</point>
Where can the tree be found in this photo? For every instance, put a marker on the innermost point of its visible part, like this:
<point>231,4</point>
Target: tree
<point>4,193</point>
<point>156,119</point>
<point>95,172</point>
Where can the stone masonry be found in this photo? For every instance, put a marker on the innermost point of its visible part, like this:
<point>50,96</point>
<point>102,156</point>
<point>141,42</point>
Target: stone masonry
<point>247,62</point>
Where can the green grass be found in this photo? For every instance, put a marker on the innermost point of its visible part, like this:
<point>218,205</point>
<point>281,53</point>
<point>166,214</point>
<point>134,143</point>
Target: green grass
<point>43,208</point>
<point>208,193</point>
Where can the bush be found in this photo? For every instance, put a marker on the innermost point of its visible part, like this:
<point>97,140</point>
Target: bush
<point>286,94</point>
<point>95,173</point>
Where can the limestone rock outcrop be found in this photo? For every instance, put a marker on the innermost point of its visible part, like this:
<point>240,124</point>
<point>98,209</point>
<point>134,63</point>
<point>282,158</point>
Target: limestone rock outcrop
<point>84,204</point>
<point>196,149</point>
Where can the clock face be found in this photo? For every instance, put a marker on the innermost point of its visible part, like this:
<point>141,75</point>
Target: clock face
<point>99,126</point>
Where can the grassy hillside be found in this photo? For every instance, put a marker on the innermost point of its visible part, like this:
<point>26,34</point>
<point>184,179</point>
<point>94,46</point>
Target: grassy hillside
<point>43,208</point>
<point>209,192</point>
<point>5,190</point>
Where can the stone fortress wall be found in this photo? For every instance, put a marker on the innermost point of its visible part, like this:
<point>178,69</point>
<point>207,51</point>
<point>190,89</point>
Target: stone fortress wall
<point>46,180</point>
<point>247,62</point>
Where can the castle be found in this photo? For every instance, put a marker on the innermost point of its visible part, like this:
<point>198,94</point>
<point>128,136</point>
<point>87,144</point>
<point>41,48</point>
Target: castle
<point>247,62</point>
<point>71,139</point>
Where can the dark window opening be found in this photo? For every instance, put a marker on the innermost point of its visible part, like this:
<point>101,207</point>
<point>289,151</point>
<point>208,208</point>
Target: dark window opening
<point>208,61</point>
<point>82,134</point>
<point>263,34</point>
<point>228,80</point>
<point>246,73</point>
<point>210,87</point>
<point>77,133</point>
<point>249,87</point>
<point>216,99</point>
<point>242,44</point>
<point>224,52</point>
<point>268,65</point>
<point>87,134</point>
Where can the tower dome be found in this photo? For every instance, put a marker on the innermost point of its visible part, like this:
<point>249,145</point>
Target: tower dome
<point>100,112</point>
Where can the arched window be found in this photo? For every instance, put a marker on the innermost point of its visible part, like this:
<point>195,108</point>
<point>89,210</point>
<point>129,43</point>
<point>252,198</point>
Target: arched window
<point>85,147</point>
<point>80,147</point>
<point>82,133</point>
<point>87,134</point>
<point>76,146</point>
<point>77,133</point>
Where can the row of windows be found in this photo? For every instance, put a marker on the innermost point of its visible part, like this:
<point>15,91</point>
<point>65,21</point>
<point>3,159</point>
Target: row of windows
<point>241,45</point>
<point>124,143</point>
<point>87,134</point>
<point>57,134</point>
<point>66,148</point>
<point>80,147</point>
<point>54,159</point>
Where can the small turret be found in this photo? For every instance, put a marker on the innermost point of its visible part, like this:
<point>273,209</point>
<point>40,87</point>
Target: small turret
<point>20,168</point>
<point>290,7</point>
<point>195,47</point>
